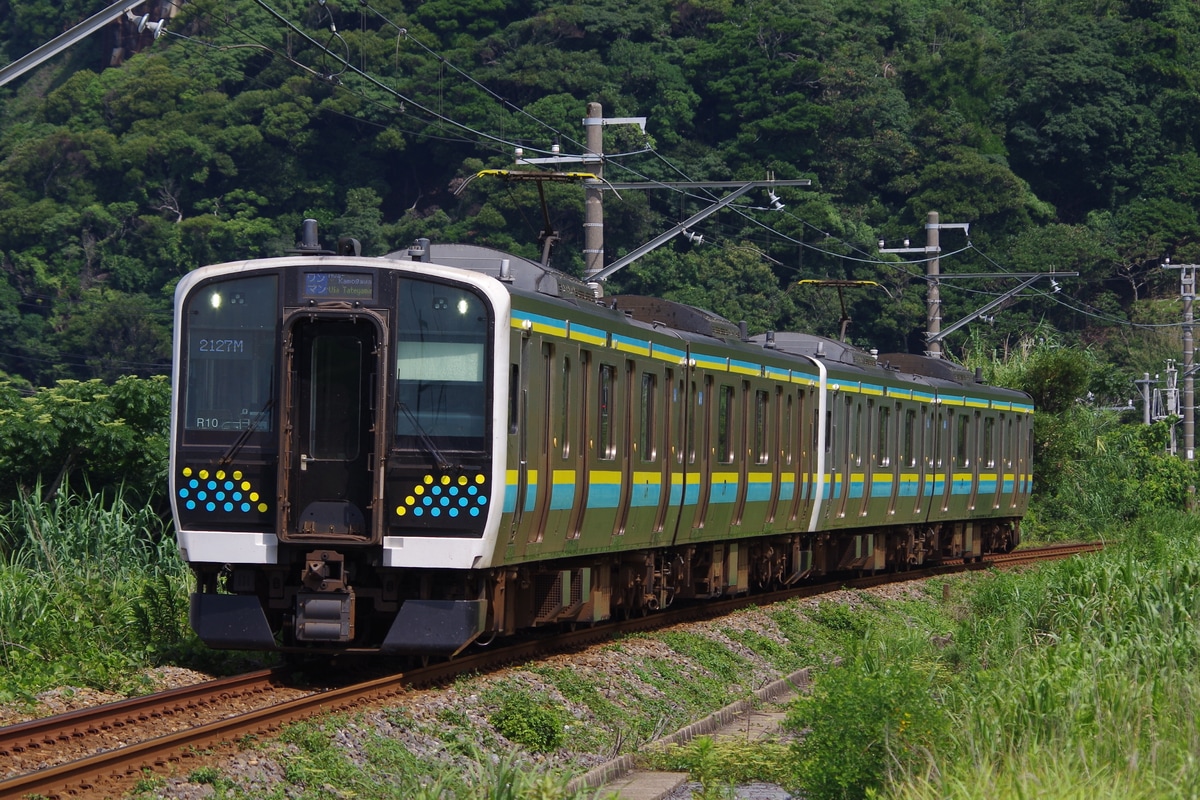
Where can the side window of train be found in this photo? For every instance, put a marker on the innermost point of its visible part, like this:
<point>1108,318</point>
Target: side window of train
<point>514,394</point>
<point>566,415</point>
<point>801,449</point>
<point>696,411</point>
<point>910,438</point>
<point>725,413</point>
<point>989,443</point>
<point>883,428</point>
<point>927,443</point>
<point>863,423</point>
<point>646,438</point>
<point>761,409</point>
<point>679,394</point>
<point>853,418</point>
<point>1008,462</point>
<point>786,431</point>
<point>605,449</point>
<point>943,423</point>
<point>666,437</point>
<point>1006,443</point>
<point>962,441</point>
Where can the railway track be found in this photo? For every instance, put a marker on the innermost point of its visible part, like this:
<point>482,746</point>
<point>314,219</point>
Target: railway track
<point>99,751</point>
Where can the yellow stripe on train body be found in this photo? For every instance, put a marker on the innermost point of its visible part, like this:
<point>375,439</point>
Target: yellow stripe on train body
<point>593,336</point>
<point>512,475</point>
<point>625,344</point>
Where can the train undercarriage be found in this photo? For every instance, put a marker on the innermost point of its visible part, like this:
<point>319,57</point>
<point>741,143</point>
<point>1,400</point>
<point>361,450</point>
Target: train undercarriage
<point>328,599</point>
<point>639,582</point>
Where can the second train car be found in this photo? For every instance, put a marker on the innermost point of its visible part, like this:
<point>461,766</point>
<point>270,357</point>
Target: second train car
<point>413,453</point>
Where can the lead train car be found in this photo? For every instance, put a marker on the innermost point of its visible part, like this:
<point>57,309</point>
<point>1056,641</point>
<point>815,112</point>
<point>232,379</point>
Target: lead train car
<point>410,454</point>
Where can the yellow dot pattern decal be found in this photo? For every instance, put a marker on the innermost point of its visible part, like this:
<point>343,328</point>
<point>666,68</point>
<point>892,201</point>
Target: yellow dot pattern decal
<point>219,491</point>
<point>446,497</point>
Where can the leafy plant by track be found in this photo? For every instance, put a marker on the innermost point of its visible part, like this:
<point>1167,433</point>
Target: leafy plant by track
<point>92,592</point>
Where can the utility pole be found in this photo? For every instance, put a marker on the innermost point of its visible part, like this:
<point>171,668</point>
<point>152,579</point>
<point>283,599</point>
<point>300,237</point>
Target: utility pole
<point>933,270</point>
<point>593,210</point>
<point>1144,389</point>
<point>934,334</point>
<point>594,184</point>
<point>1187,291</point>
<point>933,294</point>
<point>593,200</point>
<point>1187,288</point>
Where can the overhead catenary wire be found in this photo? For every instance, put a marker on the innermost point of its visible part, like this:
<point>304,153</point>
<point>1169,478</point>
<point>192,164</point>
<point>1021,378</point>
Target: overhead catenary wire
<point>402,31</point>
<point>381,85</point>
<point>1082,308</point>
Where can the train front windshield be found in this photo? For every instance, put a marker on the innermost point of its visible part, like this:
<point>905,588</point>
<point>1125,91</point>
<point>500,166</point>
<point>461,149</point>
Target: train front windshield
<point>231,359</point>
<point>441,368</point>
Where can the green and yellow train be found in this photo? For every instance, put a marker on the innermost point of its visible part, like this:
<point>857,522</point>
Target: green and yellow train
<point>414,453</point>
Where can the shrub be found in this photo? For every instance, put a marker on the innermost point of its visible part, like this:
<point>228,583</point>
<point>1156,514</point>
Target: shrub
<point>727,761</point>
<point>867,719</point>
<point>537,725</point>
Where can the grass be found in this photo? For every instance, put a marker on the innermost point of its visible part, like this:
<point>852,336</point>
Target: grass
<point>1077,679</point>
<point>92,593</point>
<point>718,764</point>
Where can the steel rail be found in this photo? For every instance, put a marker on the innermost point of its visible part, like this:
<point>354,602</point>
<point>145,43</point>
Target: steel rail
<point>49,731</point>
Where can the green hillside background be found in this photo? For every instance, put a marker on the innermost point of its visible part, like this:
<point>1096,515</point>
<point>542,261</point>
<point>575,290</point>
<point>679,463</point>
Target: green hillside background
<point>1064,132</point>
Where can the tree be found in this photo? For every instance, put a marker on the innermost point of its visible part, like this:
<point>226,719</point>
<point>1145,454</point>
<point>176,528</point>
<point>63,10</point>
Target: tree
<point>88,432</point>
<point>115,334</point>
<point>1075,121</point>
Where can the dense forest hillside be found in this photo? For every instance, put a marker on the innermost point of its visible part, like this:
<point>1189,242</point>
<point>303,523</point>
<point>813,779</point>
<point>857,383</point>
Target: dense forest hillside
<point>1064,131</point>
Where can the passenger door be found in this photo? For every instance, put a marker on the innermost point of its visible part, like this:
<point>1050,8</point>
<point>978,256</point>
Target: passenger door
<point>328,436</point>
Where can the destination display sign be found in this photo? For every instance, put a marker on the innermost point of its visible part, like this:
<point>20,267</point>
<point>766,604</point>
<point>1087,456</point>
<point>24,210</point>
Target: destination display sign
<point>338,286</point>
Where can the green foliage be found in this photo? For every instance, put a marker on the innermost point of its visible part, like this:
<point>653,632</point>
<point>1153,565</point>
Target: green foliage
<point>503,778</point>
<point>724,665</point>
<point>91,590</point>
<point>717,764</point>
<point>842,619</point>
<point>531,722</point>
<point>1090,467</point>
<point>86,432</point>
<point>211,147</point>
<point>205,775</point>
<point>874,714</point>
<point>1055,379</point>
<point>1077,676</point>
<point>783,659</point>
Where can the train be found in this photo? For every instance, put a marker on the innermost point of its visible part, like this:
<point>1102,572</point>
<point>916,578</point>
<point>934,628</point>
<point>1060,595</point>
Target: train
<point>418,453</point>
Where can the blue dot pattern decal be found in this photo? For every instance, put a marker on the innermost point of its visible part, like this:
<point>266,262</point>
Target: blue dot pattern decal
<point>438,497</point>
<point>219,490</point>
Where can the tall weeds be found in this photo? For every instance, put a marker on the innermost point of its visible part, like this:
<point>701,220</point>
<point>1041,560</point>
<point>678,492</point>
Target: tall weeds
<point>91,589</point>
<point>1081,678</point>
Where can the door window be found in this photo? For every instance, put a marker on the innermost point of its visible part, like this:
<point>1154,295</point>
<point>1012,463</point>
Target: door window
<point>335,404</point>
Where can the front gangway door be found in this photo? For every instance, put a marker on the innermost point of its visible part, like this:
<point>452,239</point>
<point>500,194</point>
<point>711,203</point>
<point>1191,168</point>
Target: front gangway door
<point>329,431</point>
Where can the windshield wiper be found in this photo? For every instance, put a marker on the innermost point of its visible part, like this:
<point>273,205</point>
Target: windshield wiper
<point>441,461</point>
<point>244,436</point>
